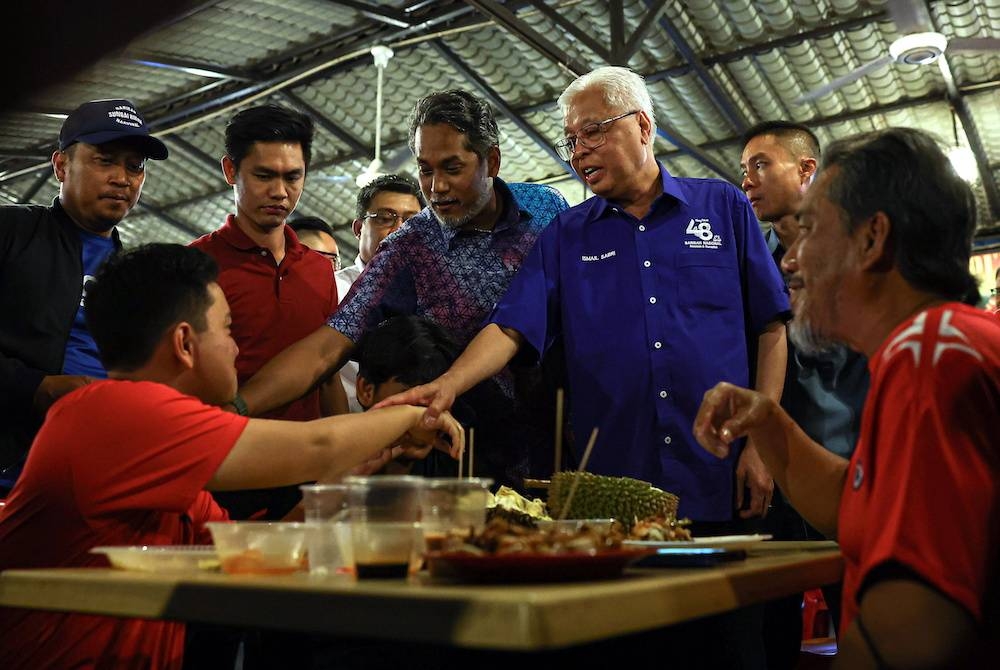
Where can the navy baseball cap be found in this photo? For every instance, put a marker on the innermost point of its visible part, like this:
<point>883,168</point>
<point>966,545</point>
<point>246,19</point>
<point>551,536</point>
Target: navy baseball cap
<point>101,121</point>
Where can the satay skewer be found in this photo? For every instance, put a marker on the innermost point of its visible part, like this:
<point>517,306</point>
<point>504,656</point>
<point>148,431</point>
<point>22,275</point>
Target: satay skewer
<point>576,481</point>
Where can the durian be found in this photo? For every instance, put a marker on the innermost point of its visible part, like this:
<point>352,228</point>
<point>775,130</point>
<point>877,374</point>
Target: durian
<point>598,497</point>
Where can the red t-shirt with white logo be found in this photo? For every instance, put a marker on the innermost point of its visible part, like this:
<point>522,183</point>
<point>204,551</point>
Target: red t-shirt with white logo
<point>116,463</point>
<point>923,486</point>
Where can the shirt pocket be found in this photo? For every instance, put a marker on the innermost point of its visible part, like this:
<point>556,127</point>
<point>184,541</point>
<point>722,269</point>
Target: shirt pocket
<point>708,280</point>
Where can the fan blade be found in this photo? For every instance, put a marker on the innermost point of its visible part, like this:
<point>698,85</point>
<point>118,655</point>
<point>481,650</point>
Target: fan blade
<point>959,44</point>
<point>910,16</point>
<point>853,75</point>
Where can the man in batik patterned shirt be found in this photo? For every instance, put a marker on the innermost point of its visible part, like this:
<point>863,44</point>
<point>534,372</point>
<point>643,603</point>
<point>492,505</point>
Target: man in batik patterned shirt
<point>450,263</point>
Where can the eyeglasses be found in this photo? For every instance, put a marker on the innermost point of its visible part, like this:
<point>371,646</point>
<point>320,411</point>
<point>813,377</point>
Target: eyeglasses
<point>333,257</point>
<point>591,136</point>
<point>385,218</point>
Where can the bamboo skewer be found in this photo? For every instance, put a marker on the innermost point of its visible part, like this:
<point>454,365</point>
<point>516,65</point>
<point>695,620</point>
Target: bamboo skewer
<point>557,465</point>
<point>576,481</point>
<point>472,450</point>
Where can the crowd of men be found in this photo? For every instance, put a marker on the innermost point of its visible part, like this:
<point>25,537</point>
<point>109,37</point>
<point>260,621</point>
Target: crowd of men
<point>658,303</point>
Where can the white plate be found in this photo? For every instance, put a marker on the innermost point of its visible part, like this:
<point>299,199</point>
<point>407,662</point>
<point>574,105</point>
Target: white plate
<point>179,558</point>
<point>716,542</point>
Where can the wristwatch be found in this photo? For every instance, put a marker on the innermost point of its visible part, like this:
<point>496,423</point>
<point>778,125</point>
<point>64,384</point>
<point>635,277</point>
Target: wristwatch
<point>240,404</point>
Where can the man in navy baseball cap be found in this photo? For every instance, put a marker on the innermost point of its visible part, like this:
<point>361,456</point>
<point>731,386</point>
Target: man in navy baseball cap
<point>102,121</point>
<point>49,256</point>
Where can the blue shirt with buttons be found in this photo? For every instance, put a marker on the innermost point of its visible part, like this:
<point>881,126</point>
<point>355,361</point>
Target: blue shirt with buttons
<point>652,313</point>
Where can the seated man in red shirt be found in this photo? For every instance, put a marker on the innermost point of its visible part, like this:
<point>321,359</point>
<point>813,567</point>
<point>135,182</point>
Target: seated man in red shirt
<point>127,461</point>
<point>881,264</point>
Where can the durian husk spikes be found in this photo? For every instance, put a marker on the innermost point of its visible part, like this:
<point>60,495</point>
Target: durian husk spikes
<point>599,497</point>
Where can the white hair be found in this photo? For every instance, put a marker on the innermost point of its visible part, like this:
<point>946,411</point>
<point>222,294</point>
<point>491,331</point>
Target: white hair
<point>623,90</point>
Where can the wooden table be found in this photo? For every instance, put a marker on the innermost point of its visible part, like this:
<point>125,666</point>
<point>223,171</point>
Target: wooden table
<point>504,617</point>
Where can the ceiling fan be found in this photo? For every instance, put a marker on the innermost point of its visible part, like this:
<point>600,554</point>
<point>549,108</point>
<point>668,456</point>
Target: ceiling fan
<point>919,45</point>
<point>381,55</point>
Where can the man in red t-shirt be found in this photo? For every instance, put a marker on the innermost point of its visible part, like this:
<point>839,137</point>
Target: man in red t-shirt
<point>128,461</point>
<point>278,289</point>
<point>881,264</point>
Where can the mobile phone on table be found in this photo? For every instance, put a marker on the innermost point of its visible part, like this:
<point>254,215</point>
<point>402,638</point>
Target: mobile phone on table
<point>685,557</point>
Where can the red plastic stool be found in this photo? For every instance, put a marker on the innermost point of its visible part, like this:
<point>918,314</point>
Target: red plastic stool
<point>815,616</point>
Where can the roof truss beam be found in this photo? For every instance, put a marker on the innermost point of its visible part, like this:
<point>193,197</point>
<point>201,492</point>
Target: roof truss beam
<point>387,15</point>
<point>191,67</point>
<point>508,20</point>
<point>497,101</point>
<point>356,145</point>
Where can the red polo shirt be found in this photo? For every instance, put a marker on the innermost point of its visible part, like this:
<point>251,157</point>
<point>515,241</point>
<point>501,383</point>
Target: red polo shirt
<point>273,305</point>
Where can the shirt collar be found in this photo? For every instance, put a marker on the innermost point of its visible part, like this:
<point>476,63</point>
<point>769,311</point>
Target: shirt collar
<point>63,216</point>
<point>511,212</point>
<point>672,189</point>
<point>232,235</point>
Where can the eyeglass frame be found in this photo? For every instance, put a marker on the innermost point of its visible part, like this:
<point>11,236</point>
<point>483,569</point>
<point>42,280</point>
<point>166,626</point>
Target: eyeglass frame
<point>334,257</point>
<point>374,217</point>
<point>566,147</point>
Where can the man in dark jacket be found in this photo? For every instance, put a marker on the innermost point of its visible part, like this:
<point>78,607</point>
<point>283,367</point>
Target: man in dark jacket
<point>47,257</point>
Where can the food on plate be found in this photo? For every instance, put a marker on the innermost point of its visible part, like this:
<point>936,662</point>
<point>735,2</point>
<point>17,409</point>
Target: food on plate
<point>253,561</point>
<point>599,497</point>
<point>661,529</point>
<point>511,506</point>
<point>501,537</point>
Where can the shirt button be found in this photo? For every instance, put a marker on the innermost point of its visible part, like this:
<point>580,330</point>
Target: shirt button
<point>657,345</point>
<point>642,228</point>
<point>667,440</point>
<point>652,300</point>
<point>646,264</point>
<point>263,252</point>
<point>663,394</point>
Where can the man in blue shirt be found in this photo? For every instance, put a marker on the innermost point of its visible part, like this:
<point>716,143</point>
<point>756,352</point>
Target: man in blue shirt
<point>823,392</point>
<point>658,287</point>
<point>450,264</point>
<point>48,256</point>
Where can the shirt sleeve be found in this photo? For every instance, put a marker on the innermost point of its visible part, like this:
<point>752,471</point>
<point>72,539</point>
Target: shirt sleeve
<point>203,510</point>
<point>765,294</point>
<point>531,304</point>
<point>155,449</point>
<point>384,289</point>
<point>934,489</point>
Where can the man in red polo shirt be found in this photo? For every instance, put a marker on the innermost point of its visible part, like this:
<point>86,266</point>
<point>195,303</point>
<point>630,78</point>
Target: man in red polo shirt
<point>881,264</point>
<point>278,289</point>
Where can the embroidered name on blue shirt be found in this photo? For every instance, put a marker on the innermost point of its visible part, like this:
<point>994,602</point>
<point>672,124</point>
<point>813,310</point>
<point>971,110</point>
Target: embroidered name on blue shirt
<point>604,256</point>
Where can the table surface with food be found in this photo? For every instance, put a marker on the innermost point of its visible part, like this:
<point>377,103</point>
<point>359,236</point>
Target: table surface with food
<point>512,578</point>
<point>508,616</point>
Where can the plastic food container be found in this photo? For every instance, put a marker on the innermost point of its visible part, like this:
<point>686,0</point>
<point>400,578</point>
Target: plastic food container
<point>181,558</point>
<point>261,547</point>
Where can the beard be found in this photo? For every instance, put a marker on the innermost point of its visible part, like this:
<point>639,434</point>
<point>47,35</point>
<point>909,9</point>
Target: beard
<point>474,210</point>
<point>804,335</point>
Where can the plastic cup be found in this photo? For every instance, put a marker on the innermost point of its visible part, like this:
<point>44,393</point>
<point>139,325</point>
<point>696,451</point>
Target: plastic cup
<point>385,525</point>
<point>326,511</point>
<point>451,505</point>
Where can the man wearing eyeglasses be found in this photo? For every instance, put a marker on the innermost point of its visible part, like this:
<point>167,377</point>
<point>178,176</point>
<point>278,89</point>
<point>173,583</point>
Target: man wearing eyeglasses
<point>450,263</point>
<point>658,288</point>
<point>317,234</point>
<point>278,289</point>
<point>382,206</point>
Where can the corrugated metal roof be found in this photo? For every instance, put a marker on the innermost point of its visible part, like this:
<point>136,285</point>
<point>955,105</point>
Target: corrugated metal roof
<point>714,67</point>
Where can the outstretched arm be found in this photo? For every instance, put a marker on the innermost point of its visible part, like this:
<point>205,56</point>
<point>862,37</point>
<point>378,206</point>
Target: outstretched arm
<point>276,453</point>
<point>292,373</point>
<point>809,475</point>
<point>485,356</point>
